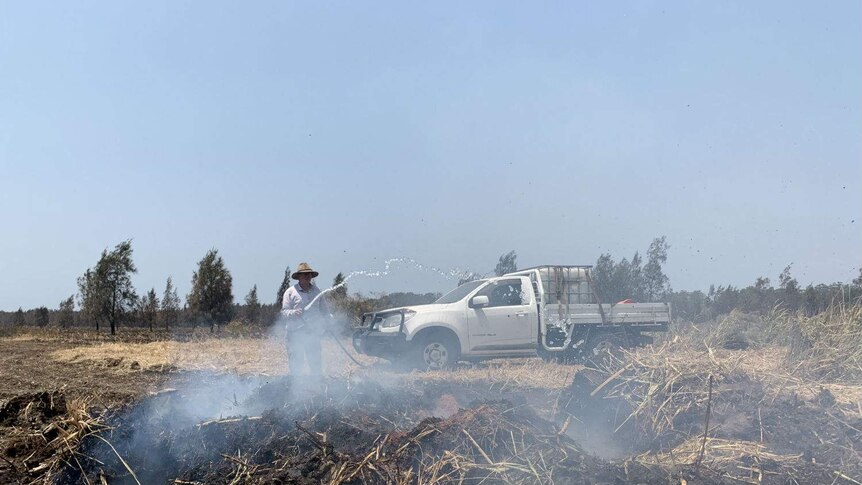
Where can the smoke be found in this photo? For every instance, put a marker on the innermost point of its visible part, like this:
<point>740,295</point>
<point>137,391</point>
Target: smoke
<point>192,415</point>
<point>208,417</point>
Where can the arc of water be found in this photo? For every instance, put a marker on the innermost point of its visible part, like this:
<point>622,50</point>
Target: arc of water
<point>387,268</point>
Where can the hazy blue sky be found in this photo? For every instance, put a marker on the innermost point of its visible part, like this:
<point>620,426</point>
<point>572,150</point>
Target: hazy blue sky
<point>344,134</point>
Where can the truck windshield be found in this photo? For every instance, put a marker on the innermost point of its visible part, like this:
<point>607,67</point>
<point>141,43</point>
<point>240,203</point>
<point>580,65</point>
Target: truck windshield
<point>460,292</point>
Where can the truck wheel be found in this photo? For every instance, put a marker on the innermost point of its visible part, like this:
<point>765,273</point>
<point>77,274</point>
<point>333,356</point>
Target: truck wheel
<point>605,347</point>
<point>435,352</point>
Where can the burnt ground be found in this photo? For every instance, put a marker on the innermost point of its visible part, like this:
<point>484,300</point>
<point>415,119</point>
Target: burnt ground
<point>333,431</point>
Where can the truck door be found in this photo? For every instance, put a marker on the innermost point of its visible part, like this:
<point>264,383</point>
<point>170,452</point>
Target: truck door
<point>506,323</point>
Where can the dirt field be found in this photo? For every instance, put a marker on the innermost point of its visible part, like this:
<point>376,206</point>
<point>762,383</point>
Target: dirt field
<point>221,409</point>
<point>28,366</point>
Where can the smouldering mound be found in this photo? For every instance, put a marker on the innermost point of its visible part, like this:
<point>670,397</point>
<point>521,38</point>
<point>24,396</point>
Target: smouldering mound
<point>338,432</point>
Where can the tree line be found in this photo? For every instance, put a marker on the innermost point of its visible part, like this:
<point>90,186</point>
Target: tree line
<point>107,298</point>
<point>645,281</point>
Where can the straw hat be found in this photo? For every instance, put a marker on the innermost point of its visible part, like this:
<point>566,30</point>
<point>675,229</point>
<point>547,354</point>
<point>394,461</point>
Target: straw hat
<point>303,269</point>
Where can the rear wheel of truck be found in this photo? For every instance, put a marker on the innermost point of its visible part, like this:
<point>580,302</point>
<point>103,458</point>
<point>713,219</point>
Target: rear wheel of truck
<point>435,351</point>
<point>605,347</point>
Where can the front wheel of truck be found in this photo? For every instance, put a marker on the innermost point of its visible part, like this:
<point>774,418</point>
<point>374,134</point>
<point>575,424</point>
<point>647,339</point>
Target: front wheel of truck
<point>435,351</point>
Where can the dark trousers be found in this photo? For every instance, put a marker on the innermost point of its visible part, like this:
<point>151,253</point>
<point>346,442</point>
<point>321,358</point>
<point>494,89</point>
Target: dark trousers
<point>303,347</point>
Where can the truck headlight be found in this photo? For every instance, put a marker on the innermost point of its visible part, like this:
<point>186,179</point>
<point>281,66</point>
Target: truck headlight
<point>395,320</point>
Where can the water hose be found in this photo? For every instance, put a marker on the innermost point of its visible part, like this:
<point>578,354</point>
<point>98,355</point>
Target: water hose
<point>346,352</point>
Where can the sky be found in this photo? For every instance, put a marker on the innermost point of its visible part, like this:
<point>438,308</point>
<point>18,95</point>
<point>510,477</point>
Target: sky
<point>347,133</point>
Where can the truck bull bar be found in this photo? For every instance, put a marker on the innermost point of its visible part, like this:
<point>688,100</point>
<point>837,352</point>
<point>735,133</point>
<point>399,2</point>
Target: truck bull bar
<point>367,339</point>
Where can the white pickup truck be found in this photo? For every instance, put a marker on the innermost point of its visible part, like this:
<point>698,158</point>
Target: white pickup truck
<point>550,311</point>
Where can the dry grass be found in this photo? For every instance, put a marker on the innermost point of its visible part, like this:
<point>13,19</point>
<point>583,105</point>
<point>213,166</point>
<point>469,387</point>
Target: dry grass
<point>659,384</point>
<point>261,356</point>
<point>740,460</point>
<point>129,334</point>
<point>803,352</point>
<point>76,425</point>
<point>827,345</point>
<point>669,390</point>
<point>234,355</point>
<point>682,359</point>
<point>508,374</point>
<point>721,453</point>
<point>50,428</point>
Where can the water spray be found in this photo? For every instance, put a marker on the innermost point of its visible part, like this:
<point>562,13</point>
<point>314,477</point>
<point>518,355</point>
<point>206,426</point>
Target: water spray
<point>387,269</point>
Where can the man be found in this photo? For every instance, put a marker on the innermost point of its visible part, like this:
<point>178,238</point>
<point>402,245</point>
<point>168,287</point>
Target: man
<point>304,327</point>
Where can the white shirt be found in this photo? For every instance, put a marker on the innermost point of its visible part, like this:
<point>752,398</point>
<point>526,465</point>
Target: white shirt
<point>295,298</point>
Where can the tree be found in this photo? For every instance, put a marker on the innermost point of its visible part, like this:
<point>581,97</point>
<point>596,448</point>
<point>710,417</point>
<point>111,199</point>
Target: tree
<point>790,288</point>
<point>621,281</point>
<point>810,300</point>
<point>506,264</point>
<point>252,307</point>
<point>637,287</point>
<point>106,291</point>
<point>211,297</point>
<point>758,297</point>
<point>858,280</point>
<point>88,297</point>
<point>340,290</point>
<point>601,275</point>
<point>656,283</point>
<point>787,282</point>
<point>468,277</point>
<point>19,318</point>
<point>170,305</point>
<point>618,281</point>
<point>285,284</point>
<point>67,312</point>
<point>627,281</point>
<point>761,283</point>
<point>689,305</point>
<point>338,298</point>
<point>42,316</point>
<point>631,279</point>
<point>723,299</point>
<point>149,308</point>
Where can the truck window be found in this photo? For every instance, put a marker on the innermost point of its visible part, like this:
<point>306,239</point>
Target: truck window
<point>504,293</point>
<point>459,293</point>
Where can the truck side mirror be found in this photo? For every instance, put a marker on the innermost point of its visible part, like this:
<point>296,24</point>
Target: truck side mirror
<point>479,301</point>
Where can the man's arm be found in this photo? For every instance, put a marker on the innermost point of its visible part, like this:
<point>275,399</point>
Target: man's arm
<point>291,304</point>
